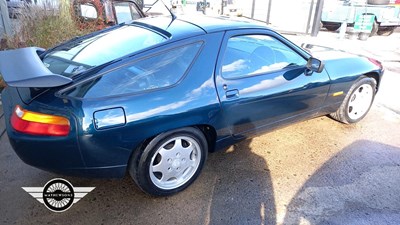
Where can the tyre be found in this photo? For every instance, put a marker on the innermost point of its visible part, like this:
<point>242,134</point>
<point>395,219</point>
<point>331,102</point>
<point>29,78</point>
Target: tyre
<point>386,31</point>
<point>357,102</point>
<point>170,162</point>
<point>363,36</point>
<point>332,27</point>
<point>352,36</point>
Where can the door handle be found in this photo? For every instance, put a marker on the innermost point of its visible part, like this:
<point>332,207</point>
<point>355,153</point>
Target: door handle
<point>232,93</point>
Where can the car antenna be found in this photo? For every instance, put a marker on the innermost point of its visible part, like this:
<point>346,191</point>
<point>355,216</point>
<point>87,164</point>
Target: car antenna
<point>173,16</point>
<point>170,12</point>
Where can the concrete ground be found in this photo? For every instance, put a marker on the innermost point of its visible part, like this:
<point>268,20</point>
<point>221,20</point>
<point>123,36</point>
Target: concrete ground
<point>315,172</point>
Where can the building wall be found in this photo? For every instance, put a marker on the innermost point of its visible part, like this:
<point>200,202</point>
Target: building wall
<point>284,15</point>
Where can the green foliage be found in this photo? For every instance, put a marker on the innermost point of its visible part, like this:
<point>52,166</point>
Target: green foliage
<point>46,25</point>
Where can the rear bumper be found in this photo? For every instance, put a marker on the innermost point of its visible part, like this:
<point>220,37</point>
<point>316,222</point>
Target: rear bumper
<point>61,155</point>
<point>62,161</point>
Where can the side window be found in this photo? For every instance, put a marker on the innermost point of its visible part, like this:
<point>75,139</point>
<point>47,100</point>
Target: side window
<point>125,12</point>
<point>254,54</point>
<point>157,71</point>
<point>88,11</point>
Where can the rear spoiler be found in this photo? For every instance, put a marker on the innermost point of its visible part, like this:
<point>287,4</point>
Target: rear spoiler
<point>23,68</point>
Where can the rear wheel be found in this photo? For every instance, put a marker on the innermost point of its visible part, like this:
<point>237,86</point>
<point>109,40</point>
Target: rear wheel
<point>170,162</point>
<point>332,27</point>
<point>357,102</point>
<point>386,31</point>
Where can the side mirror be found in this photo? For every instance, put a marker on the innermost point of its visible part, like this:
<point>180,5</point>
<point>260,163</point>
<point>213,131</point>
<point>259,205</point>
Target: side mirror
<point>315,65</point>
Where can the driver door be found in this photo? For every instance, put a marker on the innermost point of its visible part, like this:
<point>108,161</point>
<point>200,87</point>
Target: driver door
<point>262,82</point>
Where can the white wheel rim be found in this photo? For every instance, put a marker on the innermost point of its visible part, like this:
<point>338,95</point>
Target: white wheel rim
<point>175,162</point>
<point>360,101</point>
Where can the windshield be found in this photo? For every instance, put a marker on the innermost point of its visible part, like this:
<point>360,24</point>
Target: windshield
<point>79,56</point>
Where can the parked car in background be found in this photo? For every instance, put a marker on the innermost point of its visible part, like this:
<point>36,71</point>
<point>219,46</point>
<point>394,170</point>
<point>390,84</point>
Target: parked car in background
<point>385,13</point>
<point>107,12</point>
<point>154,96</point>
<point>231,8</point>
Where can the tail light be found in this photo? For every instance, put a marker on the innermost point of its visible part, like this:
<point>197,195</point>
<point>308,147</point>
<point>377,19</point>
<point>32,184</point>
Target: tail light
<point>35,123</point>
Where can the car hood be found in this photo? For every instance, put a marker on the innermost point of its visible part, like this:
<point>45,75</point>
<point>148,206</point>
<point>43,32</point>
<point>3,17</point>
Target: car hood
<point>338,62</point>
<point>327,53</point>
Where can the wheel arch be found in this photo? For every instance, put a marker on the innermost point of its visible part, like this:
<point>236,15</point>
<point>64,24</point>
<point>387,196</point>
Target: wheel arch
<point>208,131</point>
<point>375,76</point>
<point>143,157</point>
<point>343,113</point>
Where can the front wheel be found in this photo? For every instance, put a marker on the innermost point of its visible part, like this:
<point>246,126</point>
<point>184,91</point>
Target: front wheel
<point>170,162</point>
<point>357,102</point>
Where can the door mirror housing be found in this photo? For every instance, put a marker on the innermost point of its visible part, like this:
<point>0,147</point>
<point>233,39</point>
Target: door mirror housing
<point>315,65</point>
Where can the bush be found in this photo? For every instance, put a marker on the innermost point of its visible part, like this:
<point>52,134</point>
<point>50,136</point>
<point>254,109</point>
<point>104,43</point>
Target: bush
<point>46,25</point>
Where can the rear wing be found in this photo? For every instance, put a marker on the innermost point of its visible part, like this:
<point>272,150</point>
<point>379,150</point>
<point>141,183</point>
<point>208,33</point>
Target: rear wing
<point>23,68</point>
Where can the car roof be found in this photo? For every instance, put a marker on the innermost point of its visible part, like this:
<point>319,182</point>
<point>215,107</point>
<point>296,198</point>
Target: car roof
<point>215,24</point>
<point>189,26</point>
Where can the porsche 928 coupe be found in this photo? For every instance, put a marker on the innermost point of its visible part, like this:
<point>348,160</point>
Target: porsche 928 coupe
<point>154,96</point>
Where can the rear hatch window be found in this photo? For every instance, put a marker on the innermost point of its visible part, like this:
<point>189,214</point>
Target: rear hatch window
<point>78,56</point>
